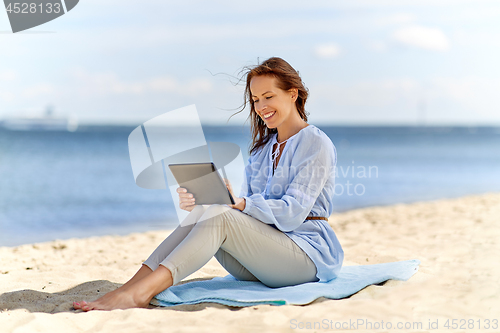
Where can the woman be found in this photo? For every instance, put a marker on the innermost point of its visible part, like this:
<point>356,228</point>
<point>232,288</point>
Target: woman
<point>277,231</point>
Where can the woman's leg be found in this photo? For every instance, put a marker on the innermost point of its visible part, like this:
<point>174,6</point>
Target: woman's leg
<point>234,267</point>
<point>137,295</point>
<point>141,273</point>
<point>267,253</point>
<point>175,238</point>
<point>161,252</point>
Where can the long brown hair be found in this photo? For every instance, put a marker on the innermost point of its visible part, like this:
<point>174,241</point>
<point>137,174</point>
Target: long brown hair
<point>287,78</point>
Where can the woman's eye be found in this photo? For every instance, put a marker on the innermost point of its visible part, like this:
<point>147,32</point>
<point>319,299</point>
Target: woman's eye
<point>255,101</point>
<point>269,97</point>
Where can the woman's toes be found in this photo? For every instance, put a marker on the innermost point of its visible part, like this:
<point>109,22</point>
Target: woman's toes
<point>87,307</point>
<point>78,305</point>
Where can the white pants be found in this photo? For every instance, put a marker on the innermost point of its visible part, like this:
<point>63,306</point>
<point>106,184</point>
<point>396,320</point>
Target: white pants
<point>247,248</point>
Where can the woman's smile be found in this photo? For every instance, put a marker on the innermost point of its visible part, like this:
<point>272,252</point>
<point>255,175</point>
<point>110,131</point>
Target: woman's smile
<point>268,115</point>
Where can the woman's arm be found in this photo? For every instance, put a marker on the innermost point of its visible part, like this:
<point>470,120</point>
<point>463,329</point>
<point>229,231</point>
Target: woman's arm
<point>246,190</point>
<point>239,202</point>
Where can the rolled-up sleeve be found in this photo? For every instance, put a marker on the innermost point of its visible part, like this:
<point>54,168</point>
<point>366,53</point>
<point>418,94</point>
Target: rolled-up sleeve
<point>312,165</point>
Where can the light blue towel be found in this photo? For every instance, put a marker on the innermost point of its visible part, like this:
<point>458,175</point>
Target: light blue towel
<point>229,291</point>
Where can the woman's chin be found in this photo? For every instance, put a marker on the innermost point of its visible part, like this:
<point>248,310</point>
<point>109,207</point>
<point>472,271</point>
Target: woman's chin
<point>270,125</point>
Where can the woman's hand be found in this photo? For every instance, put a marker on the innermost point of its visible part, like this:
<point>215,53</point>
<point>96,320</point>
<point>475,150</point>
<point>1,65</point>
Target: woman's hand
<point>239,202</point>
<point>186,200</point>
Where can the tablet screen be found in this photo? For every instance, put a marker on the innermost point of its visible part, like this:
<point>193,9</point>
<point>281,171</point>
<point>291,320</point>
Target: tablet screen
<point>203,181</point>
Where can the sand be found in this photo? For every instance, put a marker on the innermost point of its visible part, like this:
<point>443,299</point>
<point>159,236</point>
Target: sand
<point>456,240</point>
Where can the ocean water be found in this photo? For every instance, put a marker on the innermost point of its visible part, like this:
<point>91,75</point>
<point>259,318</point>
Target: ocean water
<point>57,185</point>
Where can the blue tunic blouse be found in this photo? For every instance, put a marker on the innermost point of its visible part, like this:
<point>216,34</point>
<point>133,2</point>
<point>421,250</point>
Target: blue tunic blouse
<point>302,185</point>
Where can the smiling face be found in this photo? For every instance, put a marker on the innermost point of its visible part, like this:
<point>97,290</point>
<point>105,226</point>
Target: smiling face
<point>275,106</point>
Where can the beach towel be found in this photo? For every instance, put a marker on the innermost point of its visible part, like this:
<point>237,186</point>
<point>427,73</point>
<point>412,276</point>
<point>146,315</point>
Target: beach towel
<point>230,291</point>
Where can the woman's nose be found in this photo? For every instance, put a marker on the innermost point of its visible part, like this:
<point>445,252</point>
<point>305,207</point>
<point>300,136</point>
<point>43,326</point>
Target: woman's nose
<point>261,108</point>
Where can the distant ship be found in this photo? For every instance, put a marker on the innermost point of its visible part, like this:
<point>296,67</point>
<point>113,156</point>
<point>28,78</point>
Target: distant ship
<point>46,121</point>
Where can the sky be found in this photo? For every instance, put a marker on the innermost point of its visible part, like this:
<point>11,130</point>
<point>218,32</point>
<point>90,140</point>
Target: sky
<point>367,62</point>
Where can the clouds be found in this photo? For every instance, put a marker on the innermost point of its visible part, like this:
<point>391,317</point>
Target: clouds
<point>103,96</point>
<point>440,100</point>
<point>422,37</point>
<point>8,75</point>
<point>10,81</point>
<point>476,93</point>
<point>393,19</point>
<point>38,90</point>
<point>392,31</point>
<point>370,93</point>
<point>361,56</point>
<point>109,83</point>
<point>327,50</point>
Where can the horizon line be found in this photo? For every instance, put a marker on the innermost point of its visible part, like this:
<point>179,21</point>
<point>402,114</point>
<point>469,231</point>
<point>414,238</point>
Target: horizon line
<point>129,124</point>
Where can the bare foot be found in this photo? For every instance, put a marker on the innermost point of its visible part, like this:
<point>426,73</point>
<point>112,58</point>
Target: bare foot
<point>110,301</point>
<point>142,273</point>
<point>132,295</point>
<point>79,305</point>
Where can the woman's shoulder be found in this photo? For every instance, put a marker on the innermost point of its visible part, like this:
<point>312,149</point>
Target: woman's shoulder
<point>315,137</point>
<point>313,140</point>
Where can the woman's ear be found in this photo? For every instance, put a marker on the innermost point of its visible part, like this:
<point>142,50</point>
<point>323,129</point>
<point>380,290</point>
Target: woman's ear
<point>294,93</point>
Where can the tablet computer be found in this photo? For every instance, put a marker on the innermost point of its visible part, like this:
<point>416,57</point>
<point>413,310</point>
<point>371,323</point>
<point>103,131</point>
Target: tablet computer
<point>203,181</point>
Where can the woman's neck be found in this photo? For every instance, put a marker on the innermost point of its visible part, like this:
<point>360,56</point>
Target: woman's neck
<point>285,132</point>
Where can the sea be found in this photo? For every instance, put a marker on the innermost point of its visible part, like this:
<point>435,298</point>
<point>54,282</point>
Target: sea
<point>60,185</point>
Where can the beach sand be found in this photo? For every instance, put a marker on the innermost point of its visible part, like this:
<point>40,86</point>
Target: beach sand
<point>456,240</point>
